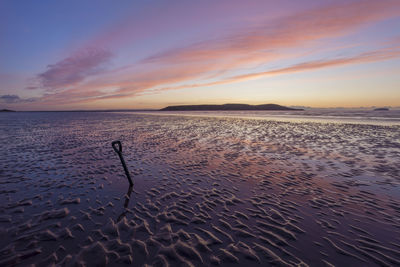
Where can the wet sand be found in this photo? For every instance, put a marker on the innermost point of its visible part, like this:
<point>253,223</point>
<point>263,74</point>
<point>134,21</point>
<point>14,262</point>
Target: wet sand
<point>208,191</point>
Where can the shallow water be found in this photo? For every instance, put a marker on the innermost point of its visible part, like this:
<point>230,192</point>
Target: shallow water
<point>326,115</point>
<point>208,190</point>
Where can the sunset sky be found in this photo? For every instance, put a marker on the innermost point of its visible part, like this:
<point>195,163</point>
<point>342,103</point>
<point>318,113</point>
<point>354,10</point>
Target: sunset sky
<point>61,55</point>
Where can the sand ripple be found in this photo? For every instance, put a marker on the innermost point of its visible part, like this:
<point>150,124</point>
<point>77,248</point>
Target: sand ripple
<point>208,191</point>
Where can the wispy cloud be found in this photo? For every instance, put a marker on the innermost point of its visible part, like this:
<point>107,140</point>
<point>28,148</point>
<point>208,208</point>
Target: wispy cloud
<point>287,32</point>
<point>367,57</point>
<point>150,80</point>
<point>74,69</point>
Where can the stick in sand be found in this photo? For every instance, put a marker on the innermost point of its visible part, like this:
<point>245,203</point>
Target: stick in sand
<point>118,150</point>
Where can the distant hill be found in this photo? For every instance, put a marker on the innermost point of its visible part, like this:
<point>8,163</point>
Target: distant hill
<point>381,109</point>
<point>227,107</point>
<point>6,110</point>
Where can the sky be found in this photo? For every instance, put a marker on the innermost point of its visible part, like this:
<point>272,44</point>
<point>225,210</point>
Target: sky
<point>147,54</point>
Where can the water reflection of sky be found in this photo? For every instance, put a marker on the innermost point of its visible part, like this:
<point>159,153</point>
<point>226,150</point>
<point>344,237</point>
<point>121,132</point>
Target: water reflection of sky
<point>388,118</point>
<point>314,175</point>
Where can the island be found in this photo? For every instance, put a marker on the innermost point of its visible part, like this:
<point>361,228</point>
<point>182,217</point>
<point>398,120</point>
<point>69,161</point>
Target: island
<point>6,110</point>
<point>381,109</point>
<point>227,107</point>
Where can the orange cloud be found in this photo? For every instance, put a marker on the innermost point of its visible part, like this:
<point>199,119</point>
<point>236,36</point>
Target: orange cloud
<point>367,57</point>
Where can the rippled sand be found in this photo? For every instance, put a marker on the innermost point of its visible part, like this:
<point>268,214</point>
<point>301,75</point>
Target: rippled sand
<point>208,191</point>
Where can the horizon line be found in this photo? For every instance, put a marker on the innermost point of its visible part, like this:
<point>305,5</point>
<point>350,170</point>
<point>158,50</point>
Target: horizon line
<point>159,109</point>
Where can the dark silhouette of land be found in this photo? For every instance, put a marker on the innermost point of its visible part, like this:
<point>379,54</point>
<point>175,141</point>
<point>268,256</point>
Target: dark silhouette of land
<point>227,107</point>
<point>6,110</point>
<point>381,109</point>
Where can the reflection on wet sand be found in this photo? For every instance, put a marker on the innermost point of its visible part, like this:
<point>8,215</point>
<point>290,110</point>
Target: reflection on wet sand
<point>208,191</point>
<point>126,203</point>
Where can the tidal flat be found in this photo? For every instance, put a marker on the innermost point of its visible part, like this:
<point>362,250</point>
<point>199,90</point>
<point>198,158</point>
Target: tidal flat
<point>207,191</point>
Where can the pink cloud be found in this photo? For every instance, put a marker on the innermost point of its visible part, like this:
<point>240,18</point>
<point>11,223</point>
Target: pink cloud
<point>74,68</point>
<point>287,32</point>
<point>368,57</point>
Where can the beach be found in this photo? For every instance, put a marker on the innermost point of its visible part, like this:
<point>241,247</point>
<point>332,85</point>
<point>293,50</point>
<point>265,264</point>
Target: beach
<point>209,189</point>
